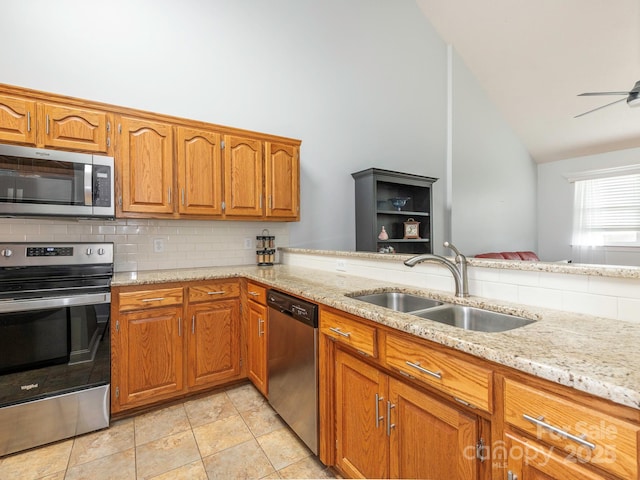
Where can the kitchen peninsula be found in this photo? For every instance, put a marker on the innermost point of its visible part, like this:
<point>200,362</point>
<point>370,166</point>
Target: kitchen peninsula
<point>584,363</point>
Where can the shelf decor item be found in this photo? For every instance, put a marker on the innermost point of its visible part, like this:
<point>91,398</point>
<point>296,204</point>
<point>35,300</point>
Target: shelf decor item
<point>411,229</point>
<point>265,248</point>
<point>399,202</point>
<point>383,234</point>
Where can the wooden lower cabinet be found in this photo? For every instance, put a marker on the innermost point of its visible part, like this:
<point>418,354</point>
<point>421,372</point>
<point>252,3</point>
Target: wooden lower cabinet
<point>257,346</point>
<point>386,428</point>
<point>213,352</point>
<point>529,460</point>
<point>173,339</point>
<point>150,355</point>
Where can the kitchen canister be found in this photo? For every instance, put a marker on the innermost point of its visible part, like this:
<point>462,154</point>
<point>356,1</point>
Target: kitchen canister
<point>265,248</point>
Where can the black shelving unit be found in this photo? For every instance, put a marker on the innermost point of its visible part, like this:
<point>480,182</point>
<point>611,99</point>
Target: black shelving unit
<point>375,188</point>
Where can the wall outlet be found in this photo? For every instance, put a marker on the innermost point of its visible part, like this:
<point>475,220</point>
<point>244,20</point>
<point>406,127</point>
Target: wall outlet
<point>248,243</point>
<point>341,265</point>
<point>158,245</point>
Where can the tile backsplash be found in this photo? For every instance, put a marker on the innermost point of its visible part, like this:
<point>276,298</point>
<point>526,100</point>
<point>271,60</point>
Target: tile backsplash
<point>183,243</point>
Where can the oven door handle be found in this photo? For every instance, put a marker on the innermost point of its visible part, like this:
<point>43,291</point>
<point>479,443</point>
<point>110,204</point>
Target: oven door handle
<point>10,306</point>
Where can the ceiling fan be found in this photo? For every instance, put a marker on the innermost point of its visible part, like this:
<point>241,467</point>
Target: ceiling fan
<point>633,98</point>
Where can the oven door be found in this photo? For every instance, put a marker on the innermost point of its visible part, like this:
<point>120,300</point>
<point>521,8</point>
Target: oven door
<point>35,333</point>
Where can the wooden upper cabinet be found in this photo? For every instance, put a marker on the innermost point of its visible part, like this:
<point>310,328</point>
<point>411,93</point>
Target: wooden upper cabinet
<point>243,173</point>
<point>17,120</point>
<point>282,180</point>
<point>199,171</point>
<point>145,162</point>
<point>72,128</point>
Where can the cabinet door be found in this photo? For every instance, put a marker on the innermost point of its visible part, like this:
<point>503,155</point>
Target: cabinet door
<point>528,460</point>
<point>282,180</point>
<point>362,448</point>
<point>428,438</point>
<point>199,171</point>
<point>243,175</point>
<point>257,346</point>
<point>145,161</point>
<point>151,355</point>
<point>73,128</point>
<point>214,342</point>
<point>17,120</point>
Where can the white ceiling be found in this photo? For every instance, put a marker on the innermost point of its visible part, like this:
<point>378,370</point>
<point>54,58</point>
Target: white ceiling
<point>533,57</point>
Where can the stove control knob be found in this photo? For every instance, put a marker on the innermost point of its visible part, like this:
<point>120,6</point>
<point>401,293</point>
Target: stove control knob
<point>101,251</point>
<point>89,251</point>
<point>7,253</point>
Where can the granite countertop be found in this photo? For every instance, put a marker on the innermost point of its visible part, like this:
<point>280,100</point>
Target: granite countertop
<point>592,354</point>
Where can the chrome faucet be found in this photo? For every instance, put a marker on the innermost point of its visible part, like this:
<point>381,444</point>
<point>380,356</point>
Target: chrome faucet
<point>457,269</point>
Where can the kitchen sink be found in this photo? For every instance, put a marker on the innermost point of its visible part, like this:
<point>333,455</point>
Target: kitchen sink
<point>471,318</point>
<point>399,301</point>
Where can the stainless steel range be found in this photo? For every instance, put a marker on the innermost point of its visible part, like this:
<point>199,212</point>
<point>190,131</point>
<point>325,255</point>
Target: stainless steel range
<point>54,341</point>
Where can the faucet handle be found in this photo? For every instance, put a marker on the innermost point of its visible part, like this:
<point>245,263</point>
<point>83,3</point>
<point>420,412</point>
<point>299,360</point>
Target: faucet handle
<point>453,247</point>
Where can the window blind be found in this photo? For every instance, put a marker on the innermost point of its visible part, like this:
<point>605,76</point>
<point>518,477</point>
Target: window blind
<point>607,211</point>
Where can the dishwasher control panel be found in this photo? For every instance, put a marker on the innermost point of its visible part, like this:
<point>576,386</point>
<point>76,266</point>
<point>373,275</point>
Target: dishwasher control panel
<point>293,306</point>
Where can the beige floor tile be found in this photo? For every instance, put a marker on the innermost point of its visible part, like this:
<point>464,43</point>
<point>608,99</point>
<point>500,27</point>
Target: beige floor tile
<point>262,420</point>
<point>54,476</point>
<point>167,453</point>
<point>209,409</point>
<point>273,476</point>
<point>283,448</point>
<point>119,466</point>
<point>160,423</point>
<point>221,434</point>
<point>191,471</point>
<point>309,467</point>
<point>36,463</point>
<point>246,397</point>
<point>243,461</point>
<point>117,438</point>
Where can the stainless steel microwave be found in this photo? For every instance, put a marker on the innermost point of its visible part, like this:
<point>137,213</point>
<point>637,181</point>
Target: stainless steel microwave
<point>39,182</point>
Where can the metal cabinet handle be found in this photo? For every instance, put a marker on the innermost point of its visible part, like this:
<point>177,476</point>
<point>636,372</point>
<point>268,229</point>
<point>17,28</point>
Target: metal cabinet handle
<point>169,194</point>
<point>389,424</point>
<point>339,332</point>
<point>28,121</point>
<point>417,366</point>
<point>253,294</point>
<point>179,326</point>
<point>157,299</point>
<point>260,329</point>
<point>539,421</point>
<point>218,292</point>
<point>47,125</point>
<point>378,417</point>
<point>511,475</point>
<point>193,324</point>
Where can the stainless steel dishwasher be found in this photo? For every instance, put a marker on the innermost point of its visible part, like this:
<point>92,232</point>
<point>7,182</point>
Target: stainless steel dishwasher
<point>292,364</point>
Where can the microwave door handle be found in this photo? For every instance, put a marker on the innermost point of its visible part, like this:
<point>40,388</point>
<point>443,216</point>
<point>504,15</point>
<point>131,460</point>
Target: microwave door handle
<point>88,184</point>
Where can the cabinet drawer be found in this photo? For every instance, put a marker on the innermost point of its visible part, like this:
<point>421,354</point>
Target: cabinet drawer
<point>159,297</point>
<point>209,291</point>
<point>350,332</point>
<point>466,382</point>
<point>588,434</point>
<point>257,293</point>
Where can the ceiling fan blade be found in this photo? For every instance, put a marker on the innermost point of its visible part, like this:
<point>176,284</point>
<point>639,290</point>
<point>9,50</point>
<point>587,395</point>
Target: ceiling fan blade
<point>601,107</point>
<point>594,94</point>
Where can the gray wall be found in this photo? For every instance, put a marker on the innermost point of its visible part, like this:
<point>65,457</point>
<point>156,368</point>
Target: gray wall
<point>363,83</point>
<point>494,177</point>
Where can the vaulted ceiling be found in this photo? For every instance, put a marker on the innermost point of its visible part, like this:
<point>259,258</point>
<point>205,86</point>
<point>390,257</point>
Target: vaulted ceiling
<point>533,57</point>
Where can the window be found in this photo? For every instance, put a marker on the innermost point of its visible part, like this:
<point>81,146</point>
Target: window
<point>607,211</point>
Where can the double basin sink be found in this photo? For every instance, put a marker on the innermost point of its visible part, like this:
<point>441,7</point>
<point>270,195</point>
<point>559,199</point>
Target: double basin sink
<point>462,316</point>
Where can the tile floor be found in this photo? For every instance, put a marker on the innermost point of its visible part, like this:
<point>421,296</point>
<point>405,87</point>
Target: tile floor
<point>229,434</point>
